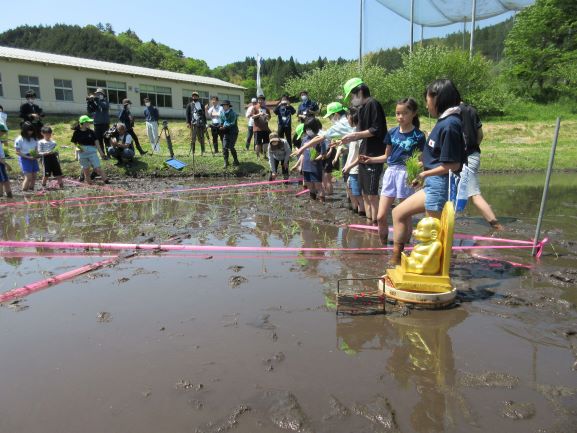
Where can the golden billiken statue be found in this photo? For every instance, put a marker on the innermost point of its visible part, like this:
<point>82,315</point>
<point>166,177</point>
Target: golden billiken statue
<point>426,255</point>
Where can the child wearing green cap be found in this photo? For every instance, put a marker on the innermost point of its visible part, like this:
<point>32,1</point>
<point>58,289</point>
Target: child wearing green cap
<point>4,167</point>
<point>88,148</point>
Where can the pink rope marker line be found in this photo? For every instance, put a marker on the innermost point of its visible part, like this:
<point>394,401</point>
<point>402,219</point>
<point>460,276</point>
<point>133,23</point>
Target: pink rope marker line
<point>148,193</point>
<point>303,192</point>
<point>20,292</point>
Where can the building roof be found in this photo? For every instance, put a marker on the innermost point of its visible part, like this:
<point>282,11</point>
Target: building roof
<point>89,64</point>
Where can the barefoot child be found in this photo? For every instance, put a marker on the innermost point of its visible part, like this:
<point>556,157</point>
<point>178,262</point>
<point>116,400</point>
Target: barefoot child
<point>443,151</point>
<point>4,167</point>
<point>88,148</point>
<point>401,142</point>
<point>26,145</point>
<point>46,149</point>
<point>352,168</point>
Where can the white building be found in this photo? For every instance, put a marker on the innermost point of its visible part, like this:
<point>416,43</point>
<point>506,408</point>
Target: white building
<point>62,83</point>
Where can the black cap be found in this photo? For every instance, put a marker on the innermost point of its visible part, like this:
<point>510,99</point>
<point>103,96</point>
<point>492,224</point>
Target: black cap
<point>225,102</point>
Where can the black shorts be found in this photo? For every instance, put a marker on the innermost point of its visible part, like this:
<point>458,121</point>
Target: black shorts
<point>261,137</point>
<point>51,165</point>
<point>369,178</point>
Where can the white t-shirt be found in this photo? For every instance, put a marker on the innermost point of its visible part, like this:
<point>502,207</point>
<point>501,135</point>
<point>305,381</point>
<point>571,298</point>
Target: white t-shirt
<point>353,153</point>
<point>3,118</point>
<point>249,115</point>
<point>25,146</point>
<point>214,114</point>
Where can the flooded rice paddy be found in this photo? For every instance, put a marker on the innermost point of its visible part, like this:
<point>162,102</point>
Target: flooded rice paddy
<point>250,342</point>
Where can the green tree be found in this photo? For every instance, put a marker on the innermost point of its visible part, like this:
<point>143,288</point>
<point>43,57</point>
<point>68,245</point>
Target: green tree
<point>541,49</point>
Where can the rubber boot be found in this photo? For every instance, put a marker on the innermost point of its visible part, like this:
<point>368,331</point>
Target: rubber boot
<point>225,153</point>
<point>398,248</point>
<point>235,157</point>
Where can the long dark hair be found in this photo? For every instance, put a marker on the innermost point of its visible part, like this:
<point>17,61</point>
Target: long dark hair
<point>26,127</point>
<point>313,124</point>
<point>412,105</point>
<point>446,94</point>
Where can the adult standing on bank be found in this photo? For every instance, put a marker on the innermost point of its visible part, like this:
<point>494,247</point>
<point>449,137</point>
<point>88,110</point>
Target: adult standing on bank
<point>473,133</point>
<point>229,128</point>
<point>307,107</point>
<point>125,116</point>
<point>284,112</point>
<point>371,129</point>
<point>261,116</point>
<point>31,112</point>
<point>248,115</point>
<point>213,113</point>
<point>151,116</point>
<point>196,121</point>
<point>98,109</point>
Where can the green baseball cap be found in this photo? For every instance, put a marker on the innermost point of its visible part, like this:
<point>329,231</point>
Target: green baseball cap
<point>299,130</point>
<point>85,119</point>
<point>350,85</point>
<point>3,128</point>
<point>334,107</point>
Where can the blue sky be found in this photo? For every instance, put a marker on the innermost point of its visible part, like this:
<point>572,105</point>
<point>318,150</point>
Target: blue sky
<point>232,29</point>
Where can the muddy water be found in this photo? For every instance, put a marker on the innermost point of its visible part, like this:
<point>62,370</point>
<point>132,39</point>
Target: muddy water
<point>248,342</point>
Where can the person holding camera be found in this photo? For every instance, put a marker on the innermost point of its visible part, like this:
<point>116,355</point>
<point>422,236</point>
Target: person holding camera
<point>213,113</point>
<point>196,121</point>
<point>98,109</point>
<point>151,117</point>
<point>307,107</point>
<point>261,116</point>
<point>126,118</point>
<point>229,128</point>
<point>31,112</point>
<point>284,111</point>
<point>121,146</point>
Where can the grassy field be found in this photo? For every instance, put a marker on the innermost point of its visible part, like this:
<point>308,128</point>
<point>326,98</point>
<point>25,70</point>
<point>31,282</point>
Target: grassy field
<point>509,146</point>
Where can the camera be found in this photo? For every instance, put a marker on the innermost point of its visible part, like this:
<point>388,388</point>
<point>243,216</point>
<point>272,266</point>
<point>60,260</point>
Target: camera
<point>165,123</point>
<point>90,97</point>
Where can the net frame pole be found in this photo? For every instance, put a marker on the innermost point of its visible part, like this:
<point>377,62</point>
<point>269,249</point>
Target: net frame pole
<point>362,5</point>
<point>464,32</point>
<point>546,187</point>
<point>473,21</point>
<point>412,24</point>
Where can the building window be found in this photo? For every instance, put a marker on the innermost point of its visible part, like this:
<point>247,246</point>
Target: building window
<point>158,95</point>
<point>115,90</point>
<point>202,97</point>
<point>63,90</point>
<point>234,100</point>
<point>29,83</point>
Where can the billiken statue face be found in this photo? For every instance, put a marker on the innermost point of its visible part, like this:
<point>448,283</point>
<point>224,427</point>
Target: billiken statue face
<point>427,230</point>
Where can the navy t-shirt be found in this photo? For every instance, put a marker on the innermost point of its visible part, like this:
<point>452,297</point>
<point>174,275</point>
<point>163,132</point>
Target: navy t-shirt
<point>403,144</point>
<point>445,144</point>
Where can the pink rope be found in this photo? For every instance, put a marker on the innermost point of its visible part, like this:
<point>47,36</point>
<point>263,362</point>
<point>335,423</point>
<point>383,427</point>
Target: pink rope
<point>304,191</point>
<point>42,284</point>
<point>143,194</point>
<point>172,247</point>
<point>459,236</point>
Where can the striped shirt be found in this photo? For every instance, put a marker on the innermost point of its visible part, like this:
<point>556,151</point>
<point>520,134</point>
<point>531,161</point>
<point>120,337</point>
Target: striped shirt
<point>45,146</point>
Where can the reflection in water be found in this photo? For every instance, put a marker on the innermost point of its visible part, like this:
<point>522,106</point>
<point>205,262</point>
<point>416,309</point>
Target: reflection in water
<point>421,356</point>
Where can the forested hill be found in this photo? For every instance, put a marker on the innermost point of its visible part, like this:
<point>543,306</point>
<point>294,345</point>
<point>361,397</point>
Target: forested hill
<point>101,42</point>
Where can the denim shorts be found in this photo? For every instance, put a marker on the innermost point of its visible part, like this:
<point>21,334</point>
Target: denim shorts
<point>89,157</point>
<point>436,192</point>
<point>395,182</point>
<point>313,176</point>
<point>29,165</point>
<point>3,174</point>
<point>354,185</point>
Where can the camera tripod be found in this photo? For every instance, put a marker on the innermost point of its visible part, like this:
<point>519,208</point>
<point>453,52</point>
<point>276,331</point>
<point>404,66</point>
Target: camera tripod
<point>166,132</point>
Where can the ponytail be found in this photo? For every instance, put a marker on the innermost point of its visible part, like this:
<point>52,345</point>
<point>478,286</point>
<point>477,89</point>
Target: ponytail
<point>412,105</point>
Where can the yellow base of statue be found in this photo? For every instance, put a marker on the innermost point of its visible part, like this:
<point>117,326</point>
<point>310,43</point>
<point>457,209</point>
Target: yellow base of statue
<point>424,274</point>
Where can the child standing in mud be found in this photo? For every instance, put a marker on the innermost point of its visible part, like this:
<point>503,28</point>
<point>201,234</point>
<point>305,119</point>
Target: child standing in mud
<point>46,149</point>
<point>311,160</point>
<point>443,152</point>
<point>402,141</point>
<point>351,168</point>
<point>25,146</point>
<point>4,167</point>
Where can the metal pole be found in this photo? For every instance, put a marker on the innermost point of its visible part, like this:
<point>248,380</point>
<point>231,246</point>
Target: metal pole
<point>473,20</point>
<point>362,2</point>
<point>464,32</point>
<point>422,27</point>
<point>546,188</point>
<point>412,23</point>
